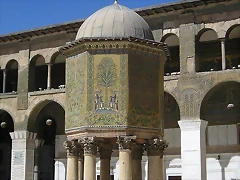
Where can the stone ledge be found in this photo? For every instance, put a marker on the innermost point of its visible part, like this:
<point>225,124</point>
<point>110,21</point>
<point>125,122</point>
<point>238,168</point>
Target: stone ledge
<point>44,92</point>
<point>8,95</point>
<point>223,149</point>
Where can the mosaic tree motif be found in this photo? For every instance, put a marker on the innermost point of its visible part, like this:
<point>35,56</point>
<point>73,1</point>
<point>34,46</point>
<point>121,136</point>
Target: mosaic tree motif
<point>106,77</point>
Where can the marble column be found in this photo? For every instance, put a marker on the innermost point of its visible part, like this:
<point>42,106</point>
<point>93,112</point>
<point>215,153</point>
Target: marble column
<point>105,150</point>
<point>23,145</point>
<point>80,164</point>
<point>125,157</point>
<point>137,152</point>
<point>90,151</point>
<point>4,80</point>
<point>223,54</point>
<point>193,149</point>
<point>49,76</point>
<point>72,148</point>
<point>155,149</point>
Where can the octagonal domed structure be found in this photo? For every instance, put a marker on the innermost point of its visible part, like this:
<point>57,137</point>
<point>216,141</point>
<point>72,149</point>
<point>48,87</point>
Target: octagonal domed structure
<point>115,21</point>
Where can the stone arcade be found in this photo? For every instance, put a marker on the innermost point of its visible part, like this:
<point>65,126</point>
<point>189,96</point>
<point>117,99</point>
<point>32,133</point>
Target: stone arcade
<point>114,90</point>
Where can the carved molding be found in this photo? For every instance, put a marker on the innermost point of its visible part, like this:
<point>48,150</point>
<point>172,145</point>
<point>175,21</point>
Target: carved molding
<point>192,124</point>
<point>125,142</point>
<point>23,135</point>
<point>156,147</point>
<point>90,145</point>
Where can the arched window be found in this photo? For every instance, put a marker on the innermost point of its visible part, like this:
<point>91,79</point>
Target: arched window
<point>208,54</point>
<point>58,71</point>
<point>38,72</point>
<point>11,76</point>
<point>172,66</point>
<point>233,47</point>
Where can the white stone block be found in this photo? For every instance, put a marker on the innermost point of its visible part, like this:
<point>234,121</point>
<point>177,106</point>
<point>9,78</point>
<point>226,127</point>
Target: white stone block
<point>232,134</point>
<point>212,135</point>
<point>168,136</point>
<point>222,135</point>
<point>177,137</point>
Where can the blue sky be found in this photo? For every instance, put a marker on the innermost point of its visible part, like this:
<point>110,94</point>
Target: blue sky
<point>20,15</point>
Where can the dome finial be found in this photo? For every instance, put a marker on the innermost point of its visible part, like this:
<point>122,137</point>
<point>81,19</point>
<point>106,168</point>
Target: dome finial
<point>116,1</point>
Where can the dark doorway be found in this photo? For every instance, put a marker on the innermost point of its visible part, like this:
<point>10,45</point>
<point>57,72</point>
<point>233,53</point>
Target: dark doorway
<point>174,177</point>
<point>47,152</point>
<point>49,121</point>
<point>6,126</point>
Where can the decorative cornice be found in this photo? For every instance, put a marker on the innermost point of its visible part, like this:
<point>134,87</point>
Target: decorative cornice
<point>156,147</point>
<point>99,45</point>
<point>125,142</point>
<point>90,145</point>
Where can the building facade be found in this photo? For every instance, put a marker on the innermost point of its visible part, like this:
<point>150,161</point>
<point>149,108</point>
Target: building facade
<point>201,94</point>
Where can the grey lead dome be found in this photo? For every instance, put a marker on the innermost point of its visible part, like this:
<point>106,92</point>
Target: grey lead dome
<point>115,21</point>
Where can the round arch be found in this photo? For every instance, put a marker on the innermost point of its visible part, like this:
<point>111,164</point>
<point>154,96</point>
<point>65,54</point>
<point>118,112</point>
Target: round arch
<point>47,119</point>
<point>37,57</point>
<point>207,34</point>
<point>39,106</point>
<point>171,111</point>
<point>221,104</point>
<point>9,110</point>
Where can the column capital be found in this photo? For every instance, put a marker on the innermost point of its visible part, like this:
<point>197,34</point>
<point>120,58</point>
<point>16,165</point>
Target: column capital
<point>137,151</point>
<point>156,147</point>
<point>192,124</point>
<point>222,39</point>
<point>105,150</point>
<point>72,147</point>
<point>125,142</point>
<point>23,135</point>
<point>90,145</point>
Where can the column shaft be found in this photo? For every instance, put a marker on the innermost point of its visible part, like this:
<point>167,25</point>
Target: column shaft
<point>80,169</point>
<point>73,149</point>
<point>104,169</point>
<point>155,169</point>
<point>223,54</point>
<point>89,167</point>
<point>90,151</point>
<point>136,169</point>
<point>193,149</point>
<point>72,168</point>
<point>4,80</point>
<point>49,76</point>
<point>125,166</point>
<point>155,151</point>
